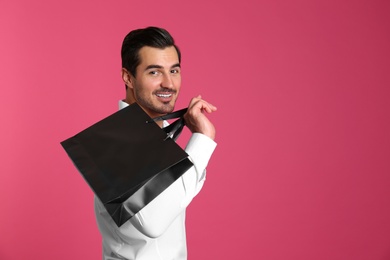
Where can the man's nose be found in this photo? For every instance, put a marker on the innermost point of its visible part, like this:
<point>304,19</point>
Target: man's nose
<point>167,81</point>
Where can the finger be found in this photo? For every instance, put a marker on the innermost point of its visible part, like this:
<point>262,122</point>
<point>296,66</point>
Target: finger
<point>202,104</point>
<point>212,107</point>
<point>194,100</point>
<point>208,105</point>
<point>209,108</point>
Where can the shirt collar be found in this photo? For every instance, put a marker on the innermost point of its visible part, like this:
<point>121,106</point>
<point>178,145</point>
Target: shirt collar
<point>122,104</point>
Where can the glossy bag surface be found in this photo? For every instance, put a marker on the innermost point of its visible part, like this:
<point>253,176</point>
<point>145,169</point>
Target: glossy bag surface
<point>127,160</point>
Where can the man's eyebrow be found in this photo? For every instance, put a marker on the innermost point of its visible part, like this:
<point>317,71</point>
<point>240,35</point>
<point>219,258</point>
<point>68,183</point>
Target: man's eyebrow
<point>175,65</point>
<point>154,66</point>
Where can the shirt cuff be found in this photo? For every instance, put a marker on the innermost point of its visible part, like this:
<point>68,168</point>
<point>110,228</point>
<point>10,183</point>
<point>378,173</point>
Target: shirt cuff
<point>200,148</point>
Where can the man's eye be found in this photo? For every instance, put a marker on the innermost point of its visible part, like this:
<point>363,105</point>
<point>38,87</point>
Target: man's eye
<point>153,72</point>
<point>175,71</point>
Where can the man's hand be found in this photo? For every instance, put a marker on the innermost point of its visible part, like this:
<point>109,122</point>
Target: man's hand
<point>195,119</point>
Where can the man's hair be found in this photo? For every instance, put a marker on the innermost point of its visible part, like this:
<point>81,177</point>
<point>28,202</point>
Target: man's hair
<point>135,40</point>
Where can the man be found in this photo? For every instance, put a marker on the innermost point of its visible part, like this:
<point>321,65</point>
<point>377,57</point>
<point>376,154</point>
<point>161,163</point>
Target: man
<point>152,75</point>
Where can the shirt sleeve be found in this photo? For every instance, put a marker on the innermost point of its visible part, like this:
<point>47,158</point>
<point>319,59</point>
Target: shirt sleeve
<point>156,217</point>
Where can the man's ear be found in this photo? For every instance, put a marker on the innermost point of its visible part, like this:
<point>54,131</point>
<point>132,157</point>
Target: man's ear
<point>126,77</point>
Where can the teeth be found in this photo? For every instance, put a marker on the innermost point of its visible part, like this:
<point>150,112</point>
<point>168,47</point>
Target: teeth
<point>164,95</point>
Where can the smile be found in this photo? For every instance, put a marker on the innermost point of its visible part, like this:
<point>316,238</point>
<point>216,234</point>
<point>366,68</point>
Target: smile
<point>164,95</point>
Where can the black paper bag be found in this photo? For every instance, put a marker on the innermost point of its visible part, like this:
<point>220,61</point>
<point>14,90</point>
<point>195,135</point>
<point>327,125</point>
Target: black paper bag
<point>128,160</point>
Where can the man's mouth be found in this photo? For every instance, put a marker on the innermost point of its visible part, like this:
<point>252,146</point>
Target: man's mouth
<point>165,95</point>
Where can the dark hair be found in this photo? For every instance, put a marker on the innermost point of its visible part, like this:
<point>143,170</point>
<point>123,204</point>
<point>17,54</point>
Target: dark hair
<point>135,40</point>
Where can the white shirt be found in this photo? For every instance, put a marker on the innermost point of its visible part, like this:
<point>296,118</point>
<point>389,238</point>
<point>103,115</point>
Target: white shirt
<point>158,230</point>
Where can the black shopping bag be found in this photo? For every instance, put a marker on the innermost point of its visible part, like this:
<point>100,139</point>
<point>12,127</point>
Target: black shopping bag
<point>128,160</point>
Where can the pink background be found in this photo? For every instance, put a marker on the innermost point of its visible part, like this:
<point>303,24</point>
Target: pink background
<point>302,168</point>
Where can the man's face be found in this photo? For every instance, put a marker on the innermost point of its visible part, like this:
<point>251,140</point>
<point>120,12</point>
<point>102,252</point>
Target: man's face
<point>157,83</point>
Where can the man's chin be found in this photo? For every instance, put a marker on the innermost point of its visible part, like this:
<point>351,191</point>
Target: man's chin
<point>165,111</point>
<point>162,110</point>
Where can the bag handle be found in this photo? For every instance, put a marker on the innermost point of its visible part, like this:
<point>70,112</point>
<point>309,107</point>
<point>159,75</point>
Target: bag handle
<point>174,129</point>
<point>176,114</point>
